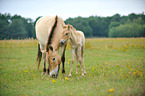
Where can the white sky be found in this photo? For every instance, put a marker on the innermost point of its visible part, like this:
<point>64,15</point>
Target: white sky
<point>71,8</point>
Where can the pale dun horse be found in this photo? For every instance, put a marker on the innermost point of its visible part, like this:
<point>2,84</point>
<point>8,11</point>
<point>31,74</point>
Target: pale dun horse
<point>49,32</point>
<point>77,42</point>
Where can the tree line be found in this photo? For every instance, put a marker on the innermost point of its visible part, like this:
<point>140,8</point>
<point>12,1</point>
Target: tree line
<point>133,25</point>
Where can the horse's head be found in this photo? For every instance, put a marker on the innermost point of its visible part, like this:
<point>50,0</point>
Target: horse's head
<point>53,60</point>
<point>66,34</point>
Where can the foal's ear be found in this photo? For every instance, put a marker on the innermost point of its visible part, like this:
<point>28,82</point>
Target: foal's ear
<point>51,48</point>
<point>68,27</point>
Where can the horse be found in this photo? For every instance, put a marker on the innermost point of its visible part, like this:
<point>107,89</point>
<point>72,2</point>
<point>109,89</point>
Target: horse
<point>49,33</point>
<point>77,42</point>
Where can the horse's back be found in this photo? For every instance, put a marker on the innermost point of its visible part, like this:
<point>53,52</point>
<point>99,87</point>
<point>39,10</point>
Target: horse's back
<point>43,27</point>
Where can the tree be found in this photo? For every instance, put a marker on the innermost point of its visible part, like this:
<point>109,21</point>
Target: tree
<point>17,30</point>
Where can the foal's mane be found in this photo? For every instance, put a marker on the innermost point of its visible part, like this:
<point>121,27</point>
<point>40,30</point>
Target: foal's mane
<point>51,34</point>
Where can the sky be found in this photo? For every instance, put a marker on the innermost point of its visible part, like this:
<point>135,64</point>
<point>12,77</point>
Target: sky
<point>71,8</point>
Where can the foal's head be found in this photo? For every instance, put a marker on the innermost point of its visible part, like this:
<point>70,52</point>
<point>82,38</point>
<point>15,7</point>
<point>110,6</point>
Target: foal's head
<point>66,34</point>
<point>53,60</point>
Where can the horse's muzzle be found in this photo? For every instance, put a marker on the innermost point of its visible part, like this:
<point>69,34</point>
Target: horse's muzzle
<point>62,41</point>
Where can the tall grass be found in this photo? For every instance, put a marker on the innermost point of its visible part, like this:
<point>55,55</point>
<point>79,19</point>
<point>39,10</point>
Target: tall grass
<point>115,67</point>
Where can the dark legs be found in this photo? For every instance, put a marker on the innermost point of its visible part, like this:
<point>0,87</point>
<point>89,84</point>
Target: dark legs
<point>63,58</point>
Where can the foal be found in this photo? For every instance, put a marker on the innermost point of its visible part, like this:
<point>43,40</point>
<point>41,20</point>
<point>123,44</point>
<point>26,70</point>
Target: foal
<point>77,42</point>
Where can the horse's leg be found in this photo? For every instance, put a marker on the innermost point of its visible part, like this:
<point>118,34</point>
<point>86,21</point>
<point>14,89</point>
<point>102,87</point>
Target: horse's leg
<point>82,55</point>
<point>80,60</point>
<point>44,62</point>
<point>44,58</point>
<point>77,61</point>
<point>63,58</point>
<point>72,61</point>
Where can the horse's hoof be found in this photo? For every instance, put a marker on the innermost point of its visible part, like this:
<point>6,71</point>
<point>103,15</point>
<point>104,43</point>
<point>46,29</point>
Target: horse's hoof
<point>69,75</point>
<point>77,73</point>
<point>83,74</point>
<point>43,73</point>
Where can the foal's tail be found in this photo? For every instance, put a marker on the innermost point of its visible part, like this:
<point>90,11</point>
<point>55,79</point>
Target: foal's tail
<point>39,55</point>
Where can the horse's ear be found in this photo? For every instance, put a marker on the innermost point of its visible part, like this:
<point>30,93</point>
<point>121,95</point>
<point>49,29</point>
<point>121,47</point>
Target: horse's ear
<point>51,48</point>
<point>68,27</point>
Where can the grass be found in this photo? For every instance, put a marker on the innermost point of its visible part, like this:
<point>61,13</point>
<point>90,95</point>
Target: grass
<point>114,66</point>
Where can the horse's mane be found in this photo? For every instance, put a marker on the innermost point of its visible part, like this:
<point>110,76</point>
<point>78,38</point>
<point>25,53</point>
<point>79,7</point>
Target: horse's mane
<point>51,34</point>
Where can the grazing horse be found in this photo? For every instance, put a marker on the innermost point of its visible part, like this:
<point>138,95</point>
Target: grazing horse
<point>49,32</point>
<point>77,42</point>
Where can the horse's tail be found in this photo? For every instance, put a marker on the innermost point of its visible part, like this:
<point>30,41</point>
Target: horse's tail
<point>39,55</point>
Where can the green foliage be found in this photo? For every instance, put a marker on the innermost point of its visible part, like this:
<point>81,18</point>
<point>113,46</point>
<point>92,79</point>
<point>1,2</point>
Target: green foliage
<point>132,25</point>
<point>133,28</point>
<point>16,27</point>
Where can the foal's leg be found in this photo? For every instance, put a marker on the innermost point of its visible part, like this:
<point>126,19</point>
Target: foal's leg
<point>80,60</point>
<point>82,55</point>
<point>72,61</point>
<point>77,61</point>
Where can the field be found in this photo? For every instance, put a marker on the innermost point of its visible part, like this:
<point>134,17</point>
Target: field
<point>114,66</point>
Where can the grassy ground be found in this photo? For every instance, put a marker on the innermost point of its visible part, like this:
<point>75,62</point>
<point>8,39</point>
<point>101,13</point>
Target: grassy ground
<point>115,67</point>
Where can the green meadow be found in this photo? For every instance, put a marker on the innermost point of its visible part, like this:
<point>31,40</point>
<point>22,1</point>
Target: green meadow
<point>114,66</point>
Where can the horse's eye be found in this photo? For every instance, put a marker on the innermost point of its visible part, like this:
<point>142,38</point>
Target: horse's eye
<point>66,34</point>
<point>53,59</point>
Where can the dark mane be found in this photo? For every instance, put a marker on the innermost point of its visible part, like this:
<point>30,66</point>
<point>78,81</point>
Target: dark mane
<point>51,34</point>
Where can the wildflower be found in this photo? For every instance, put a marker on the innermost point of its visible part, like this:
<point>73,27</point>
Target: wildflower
<point>120,69</point>
<point>53,81</point>
<point>69,60</point>
<point>40,92</point>
<point>131,69</point>
<point>112,72</point>
<point>66,78</point>
<point>134,73</point>
<point>107,67</point>
<point>14,60</point>
<point>132,44</point>
<point>106,63</point>
<point>111,90</point>
<point>25,71</point>
<point>33,75</point>
<point>5,74</point>
<point>1,67</point>
<point>19,71</point>
<point>140,75</point>
<point>78,65</point>
<point>117,65</point>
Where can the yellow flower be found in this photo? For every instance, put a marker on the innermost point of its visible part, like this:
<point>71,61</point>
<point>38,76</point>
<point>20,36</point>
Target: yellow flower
<point>111,90</point>
<point>14,60</point>
<point>1,67</point>
<point>134,73</point>
<point>25,71</point>
<point>117,65</point>
<point>69,60</point>
<point>33,75</point>
<point>106,63</point>
<point>131,69</point>
<point>141,75</point>
<point>19,71</point>
<point>66,78</point>
<point>53,81</point>
<point>107,67</point>
<point>5,74</point>
<point>120,69</point>
<point>40,92</point>
<point>78,65</point>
